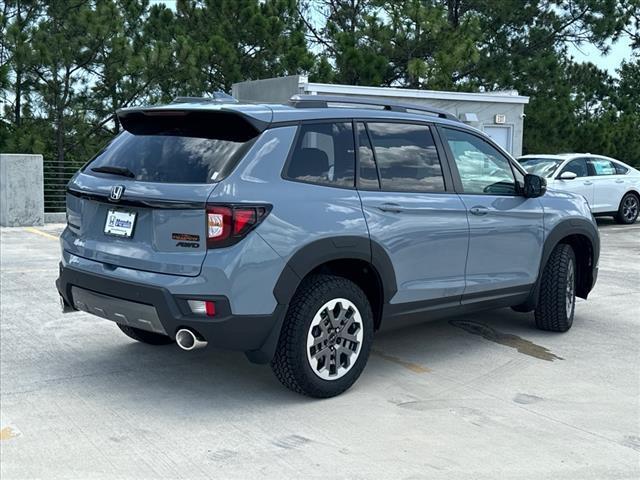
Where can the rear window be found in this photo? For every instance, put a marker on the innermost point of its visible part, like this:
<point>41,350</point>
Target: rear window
<point>175,150</point>
<point>620,170</point>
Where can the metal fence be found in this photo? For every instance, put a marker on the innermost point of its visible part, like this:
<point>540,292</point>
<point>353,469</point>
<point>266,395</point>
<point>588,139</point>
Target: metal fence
<point>56,177</point>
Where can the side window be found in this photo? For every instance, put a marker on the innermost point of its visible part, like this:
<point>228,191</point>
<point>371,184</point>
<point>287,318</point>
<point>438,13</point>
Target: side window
<point>602,166</point>
<point>483,169</point>
<point>620,169</point>
<point>324,154</point>
<point>577,166</point>
<point>368,171</point>
<point>407,157</point>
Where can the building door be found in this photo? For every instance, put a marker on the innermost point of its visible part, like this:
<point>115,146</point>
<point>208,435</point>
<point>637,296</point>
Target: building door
<point>501,134</point>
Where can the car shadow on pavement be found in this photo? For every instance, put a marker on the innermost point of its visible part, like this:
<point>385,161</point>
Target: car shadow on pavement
<point>165,376</point>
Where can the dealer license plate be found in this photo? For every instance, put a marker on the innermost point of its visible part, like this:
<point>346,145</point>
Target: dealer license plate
<point>120,223</point>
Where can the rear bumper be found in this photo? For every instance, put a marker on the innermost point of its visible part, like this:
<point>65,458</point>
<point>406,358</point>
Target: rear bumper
<point>156,309</point>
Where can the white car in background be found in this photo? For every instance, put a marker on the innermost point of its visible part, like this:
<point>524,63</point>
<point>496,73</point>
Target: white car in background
<point>611,187</point>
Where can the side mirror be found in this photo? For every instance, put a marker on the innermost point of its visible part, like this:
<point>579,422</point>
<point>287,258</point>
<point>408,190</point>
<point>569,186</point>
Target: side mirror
<point>534,186</point>
<point>568,175</point>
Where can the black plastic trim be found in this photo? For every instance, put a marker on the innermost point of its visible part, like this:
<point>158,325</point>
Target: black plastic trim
<point>248,333</point>
<point>566,228</point>
<point>398,315</point>
<point>335,248</point>
<point>138,202</point>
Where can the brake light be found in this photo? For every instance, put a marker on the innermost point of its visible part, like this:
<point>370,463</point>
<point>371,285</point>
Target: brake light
<point>228,224</point>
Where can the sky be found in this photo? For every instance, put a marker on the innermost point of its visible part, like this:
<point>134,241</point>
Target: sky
<point>621,50</point>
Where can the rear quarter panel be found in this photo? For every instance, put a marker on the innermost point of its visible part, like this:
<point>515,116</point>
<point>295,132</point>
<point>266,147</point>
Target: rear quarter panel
<point>301,212</point>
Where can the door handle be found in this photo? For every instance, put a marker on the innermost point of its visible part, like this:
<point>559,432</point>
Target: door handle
<point>588,183</point>
<point>390,208</point>
<point>479,210</point>
<point>619,181</point>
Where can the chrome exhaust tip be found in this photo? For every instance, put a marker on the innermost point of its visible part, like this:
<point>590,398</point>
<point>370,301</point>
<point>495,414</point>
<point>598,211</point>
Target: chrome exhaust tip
<point>188,340</point>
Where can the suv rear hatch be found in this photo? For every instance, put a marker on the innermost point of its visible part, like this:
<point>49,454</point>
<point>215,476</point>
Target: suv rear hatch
<point>141,202</point>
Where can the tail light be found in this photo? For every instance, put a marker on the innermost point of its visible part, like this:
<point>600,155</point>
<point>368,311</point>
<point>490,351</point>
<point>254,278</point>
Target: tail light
<point>228,224</point>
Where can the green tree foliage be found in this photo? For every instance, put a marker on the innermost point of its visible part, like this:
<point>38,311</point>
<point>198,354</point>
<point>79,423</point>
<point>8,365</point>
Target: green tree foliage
<point>487,45</point>
<point>67,66</point>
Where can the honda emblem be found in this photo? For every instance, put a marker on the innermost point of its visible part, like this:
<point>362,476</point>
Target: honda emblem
<point>116,192</point>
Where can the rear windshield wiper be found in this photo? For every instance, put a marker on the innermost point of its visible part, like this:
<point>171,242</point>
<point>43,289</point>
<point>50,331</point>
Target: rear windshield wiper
<point>123,171</point>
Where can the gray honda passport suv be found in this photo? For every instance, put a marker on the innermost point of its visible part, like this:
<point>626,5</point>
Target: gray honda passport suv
<point>294,232</point>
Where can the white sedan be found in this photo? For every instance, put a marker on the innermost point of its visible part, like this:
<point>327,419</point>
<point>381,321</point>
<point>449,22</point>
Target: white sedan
<point>610,186</point>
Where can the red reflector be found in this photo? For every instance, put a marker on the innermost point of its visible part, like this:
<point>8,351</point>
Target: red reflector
<point>243,218</point>
<point>210,307</point>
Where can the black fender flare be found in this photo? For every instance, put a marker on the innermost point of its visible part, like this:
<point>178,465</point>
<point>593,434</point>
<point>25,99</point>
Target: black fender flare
<point>324,250</point>
<point>311,256</point>
<point>564,229</point>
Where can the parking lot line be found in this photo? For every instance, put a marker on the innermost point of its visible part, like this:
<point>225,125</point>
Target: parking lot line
<point>40,232</point>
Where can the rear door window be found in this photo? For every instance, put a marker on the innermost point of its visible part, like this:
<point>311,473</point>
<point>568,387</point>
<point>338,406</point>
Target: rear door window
<point>407,157</point>
<point>324,154</point>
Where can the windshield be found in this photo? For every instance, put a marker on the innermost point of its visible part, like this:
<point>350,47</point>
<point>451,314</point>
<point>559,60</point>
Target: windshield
<point>544,167</point>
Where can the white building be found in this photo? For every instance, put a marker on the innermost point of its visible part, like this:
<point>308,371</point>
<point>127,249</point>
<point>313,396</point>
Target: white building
<point>499,114</point>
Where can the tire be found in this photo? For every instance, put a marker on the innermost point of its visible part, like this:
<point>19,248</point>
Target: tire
<point>628,209</point>
<point>144,336</point>
<point>557,300</point>
<point>331,369</point>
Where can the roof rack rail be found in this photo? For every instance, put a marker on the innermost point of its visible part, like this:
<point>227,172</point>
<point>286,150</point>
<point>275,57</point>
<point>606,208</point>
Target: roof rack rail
<point>324,101</point>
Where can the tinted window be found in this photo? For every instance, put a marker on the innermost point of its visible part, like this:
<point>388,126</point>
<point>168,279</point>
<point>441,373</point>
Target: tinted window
<point>368,170</point>
<point>602,166</point>
<point>407,157</point>
<point>323,154</point>
<point>620,169</point>
<point>171,158</point>
<point>578,166</point>
<point>544,167</point>
<point>483,169</point>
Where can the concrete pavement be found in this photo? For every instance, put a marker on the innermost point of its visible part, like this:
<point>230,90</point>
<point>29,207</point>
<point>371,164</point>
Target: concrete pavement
<point>482,396</point>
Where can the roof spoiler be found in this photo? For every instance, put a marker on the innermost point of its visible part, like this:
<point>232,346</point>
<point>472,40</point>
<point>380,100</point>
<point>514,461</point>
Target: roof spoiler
<point>227,124</point>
